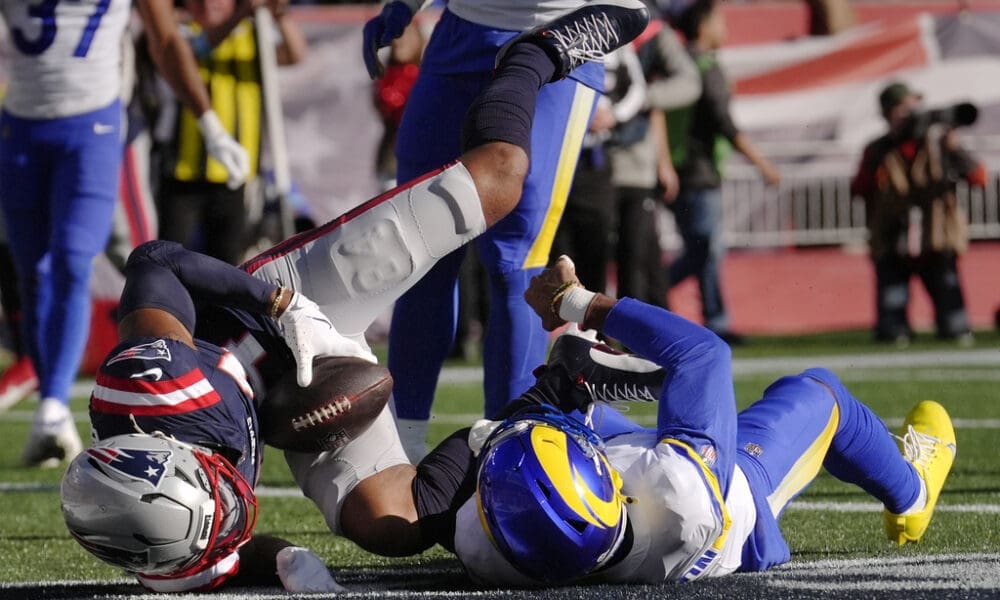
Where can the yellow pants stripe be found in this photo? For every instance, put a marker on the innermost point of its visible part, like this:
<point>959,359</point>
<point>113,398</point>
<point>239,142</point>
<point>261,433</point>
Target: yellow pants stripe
<point>576,127</point>
<point>713,486</point>
<point>806,467</point>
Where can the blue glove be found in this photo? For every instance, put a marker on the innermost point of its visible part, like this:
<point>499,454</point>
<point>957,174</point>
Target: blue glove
<point>381,30</point>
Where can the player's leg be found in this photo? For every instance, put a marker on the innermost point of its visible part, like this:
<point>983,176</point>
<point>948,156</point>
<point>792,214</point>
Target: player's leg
<point>25,217</point>
<point>430,135</point>
<point>864,454</point>
<point>364,489</point>
<point>81,206</point>
<point>518,247</point>
<point>939,273</point>
<point>892,296</point>
<point>801,423</point>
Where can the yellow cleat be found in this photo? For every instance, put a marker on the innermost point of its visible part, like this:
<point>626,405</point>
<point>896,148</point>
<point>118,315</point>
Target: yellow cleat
<point>928,443</point>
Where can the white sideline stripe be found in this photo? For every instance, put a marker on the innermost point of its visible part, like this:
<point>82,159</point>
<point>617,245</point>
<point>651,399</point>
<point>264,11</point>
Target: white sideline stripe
<point>265,491</point>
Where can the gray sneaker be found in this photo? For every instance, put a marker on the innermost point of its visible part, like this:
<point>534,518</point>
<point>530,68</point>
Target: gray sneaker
<point>585,34</point>
<point>53,438</point>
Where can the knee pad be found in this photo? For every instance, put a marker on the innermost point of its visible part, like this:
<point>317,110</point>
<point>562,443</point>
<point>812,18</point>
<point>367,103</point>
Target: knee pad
<point>356,266</point>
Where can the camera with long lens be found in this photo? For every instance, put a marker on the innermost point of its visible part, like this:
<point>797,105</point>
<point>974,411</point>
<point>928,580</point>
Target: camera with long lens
<point>919,123</point>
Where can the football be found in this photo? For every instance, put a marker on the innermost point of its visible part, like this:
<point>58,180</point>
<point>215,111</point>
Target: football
<point>345,396</point>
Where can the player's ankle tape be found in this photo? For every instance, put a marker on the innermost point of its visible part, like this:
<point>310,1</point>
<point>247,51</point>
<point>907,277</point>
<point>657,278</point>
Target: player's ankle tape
<point>574,304</point>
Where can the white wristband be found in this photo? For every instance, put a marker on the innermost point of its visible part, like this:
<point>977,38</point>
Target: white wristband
<point>574,304</point>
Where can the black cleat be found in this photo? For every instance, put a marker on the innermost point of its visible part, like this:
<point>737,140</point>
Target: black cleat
<point>581,371</point>
<point>588,33</point>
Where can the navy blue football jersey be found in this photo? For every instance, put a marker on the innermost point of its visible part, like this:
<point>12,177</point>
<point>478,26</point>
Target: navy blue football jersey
<point>201,396</point>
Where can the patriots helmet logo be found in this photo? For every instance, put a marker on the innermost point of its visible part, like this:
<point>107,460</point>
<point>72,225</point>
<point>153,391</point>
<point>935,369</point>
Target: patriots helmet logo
<point>142,465</point>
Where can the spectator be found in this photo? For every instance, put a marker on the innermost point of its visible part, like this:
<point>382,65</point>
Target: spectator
<point>700,138</point>
<point>194,197</point>
<point>907,168</point>
<point>641,167</point>
<point>585,229</point>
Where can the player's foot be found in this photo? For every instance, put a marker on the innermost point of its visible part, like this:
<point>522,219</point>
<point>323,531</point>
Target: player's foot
<point>928,443</point>
<point>53,436</point>
<point>17,382</point>
<point>586,34</point>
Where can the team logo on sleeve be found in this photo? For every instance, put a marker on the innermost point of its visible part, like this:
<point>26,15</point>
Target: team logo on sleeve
<point>157,350</point>
<point>144,465</point>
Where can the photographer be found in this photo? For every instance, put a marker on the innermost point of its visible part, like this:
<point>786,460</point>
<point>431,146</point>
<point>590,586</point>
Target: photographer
<point>917,164</point>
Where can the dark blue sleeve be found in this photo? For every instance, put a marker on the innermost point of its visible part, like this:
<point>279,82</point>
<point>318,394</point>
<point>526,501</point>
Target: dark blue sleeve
<point>167,276</point>
<point>698,404</point>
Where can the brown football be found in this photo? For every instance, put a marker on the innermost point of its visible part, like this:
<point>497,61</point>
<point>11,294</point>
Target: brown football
<point>345,396</point>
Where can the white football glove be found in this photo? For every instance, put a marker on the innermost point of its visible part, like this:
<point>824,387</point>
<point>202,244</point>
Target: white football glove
<point>302,572</point>
<point>309,333</point>
<point>224,149</point>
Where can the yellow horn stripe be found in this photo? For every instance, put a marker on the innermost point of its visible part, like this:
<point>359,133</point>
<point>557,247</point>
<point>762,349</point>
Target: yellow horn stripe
<point>550,447</point>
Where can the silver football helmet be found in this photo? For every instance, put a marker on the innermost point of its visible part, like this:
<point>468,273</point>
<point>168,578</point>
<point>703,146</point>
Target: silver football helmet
<point>156,506</point>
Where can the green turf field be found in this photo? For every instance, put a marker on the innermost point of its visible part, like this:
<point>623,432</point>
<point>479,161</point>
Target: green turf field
<point>826,522</point>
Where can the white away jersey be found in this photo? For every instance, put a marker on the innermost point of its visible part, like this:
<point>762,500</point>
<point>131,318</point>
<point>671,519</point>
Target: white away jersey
<point>65,55</point>
<point>680,531</point>
<point>515,15</point>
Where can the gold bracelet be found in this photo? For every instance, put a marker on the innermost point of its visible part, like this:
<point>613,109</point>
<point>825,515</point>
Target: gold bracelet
<point>559,293</point>
<point>276,303</point>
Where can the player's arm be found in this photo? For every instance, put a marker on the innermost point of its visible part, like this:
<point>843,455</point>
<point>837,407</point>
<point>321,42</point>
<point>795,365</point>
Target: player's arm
<point>163,280</point>
<point>164,277</point>
<point>697,404</point>
<point>676,81</point>
<point>385,27</point>
<point>173,55</point>
<point>175,60</point>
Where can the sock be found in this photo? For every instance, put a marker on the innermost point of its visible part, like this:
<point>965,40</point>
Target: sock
<point>506,108</point>
<point>413,435</point>
<point>921,501</point>
<point>445,479</point>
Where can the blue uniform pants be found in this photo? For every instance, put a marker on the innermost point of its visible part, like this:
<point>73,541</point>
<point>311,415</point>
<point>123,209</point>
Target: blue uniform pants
<point>58,183</point>
<point>458,64</point>
<point>804,422</point>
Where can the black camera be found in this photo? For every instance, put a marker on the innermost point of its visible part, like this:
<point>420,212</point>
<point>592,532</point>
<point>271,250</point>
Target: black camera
<point>916,125</point>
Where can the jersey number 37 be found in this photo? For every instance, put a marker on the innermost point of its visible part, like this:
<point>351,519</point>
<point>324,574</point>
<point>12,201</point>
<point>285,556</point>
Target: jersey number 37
<point>45,12</point>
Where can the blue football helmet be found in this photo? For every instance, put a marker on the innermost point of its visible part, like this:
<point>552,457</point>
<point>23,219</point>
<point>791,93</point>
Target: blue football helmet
<point>548,498</point>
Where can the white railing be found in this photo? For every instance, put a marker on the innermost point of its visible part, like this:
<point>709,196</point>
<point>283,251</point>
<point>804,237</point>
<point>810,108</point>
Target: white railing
<point>813,206</point>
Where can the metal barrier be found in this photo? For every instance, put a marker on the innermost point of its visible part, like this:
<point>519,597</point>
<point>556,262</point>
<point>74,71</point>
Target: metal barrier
<point>813,206</point>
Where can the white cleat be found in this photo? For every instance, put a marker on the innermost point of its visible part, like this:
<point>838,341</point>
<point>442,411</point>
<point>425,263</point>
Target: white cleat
<point>53,438</point>
<point>303,572</point>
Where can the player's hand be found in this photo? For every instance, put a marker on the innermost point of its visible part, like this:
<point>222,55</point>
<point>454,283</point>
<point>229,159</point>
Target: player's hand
<point>223,148</point>
<point>309,333</point>
<point>301,571</point>
<point>381,30</point>
<point>544,291</point>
